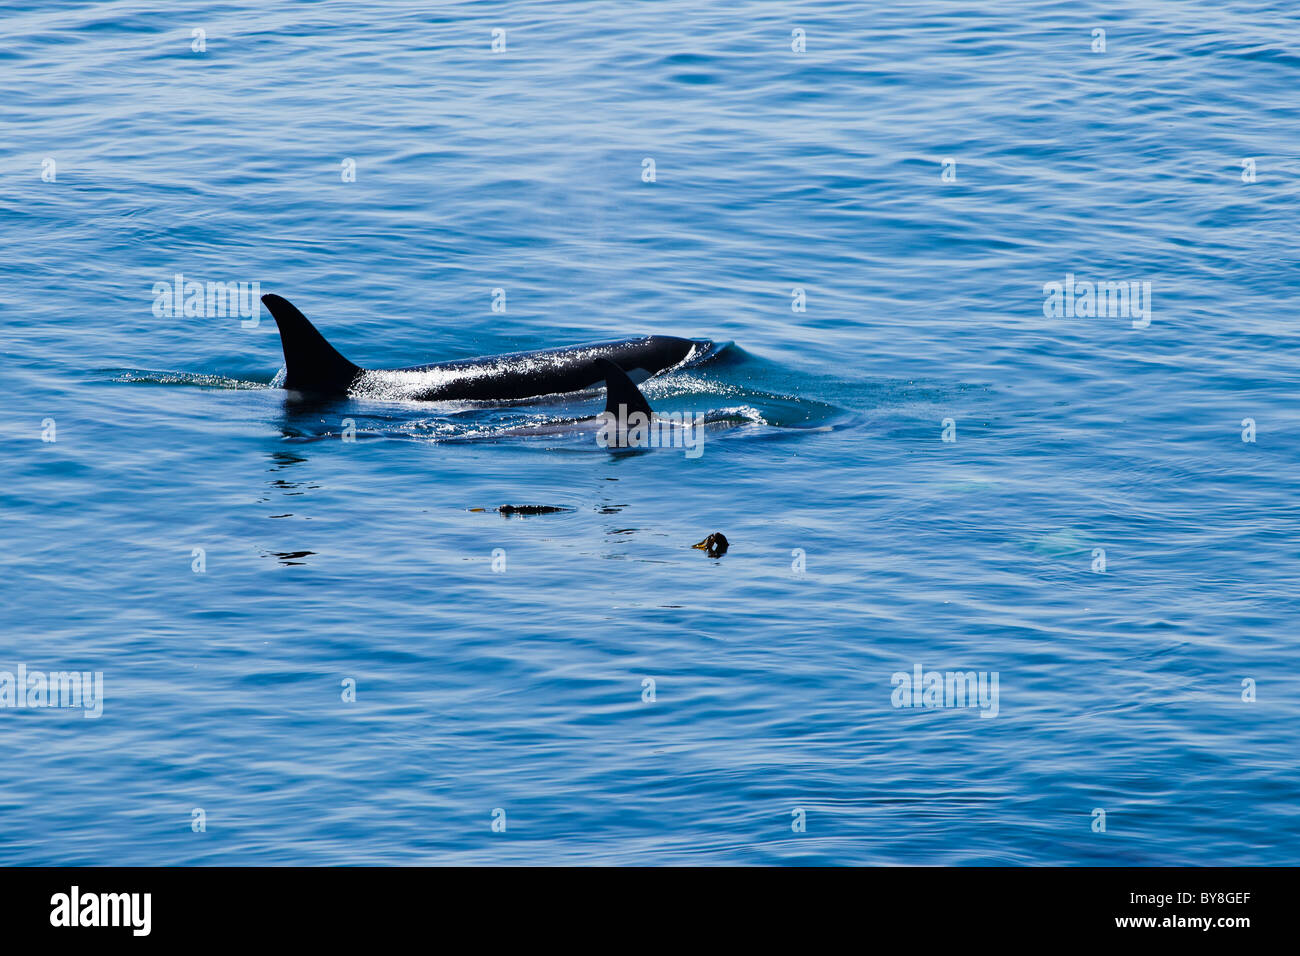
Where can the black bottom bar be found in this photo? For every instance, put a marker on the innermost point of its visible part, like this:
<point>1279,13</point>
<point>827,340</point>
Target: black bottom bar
<point>949,906</point>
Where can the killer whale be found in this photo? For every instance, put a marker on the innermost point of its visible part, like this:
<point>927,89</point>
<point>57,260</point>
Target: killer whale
<point>313,366</point>
<point>628,421</point>
<point>622,399</point>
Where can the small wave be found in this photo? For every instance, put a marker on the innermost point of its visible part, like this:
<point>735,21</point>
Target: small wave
<point>741,415</point>
<point>140,376</point>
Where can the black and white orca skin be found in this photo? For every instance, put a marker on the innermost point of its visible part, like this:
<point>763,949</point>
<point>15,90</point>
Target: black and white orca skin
<point>314,367</point>
<point>622,400</point>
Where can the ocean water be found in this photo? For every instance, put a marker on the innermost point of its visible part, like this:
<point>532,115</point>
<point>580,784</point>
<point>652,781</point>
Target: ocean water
<point>1112,529</point>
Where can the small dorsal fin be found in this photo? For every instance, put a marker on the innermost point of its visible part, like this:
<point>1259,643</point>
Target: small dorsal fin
<point>620,390</point>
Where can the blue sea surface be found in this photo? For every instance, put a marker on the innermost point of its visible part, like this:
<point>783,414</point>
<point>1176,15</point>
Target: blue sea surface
<point>916,462</point>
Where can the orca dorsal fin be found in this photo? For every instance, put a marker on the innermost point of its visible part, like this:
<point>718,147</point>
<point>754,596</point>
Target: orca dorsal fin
<point>310,363</point>
<point>620,390</point>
